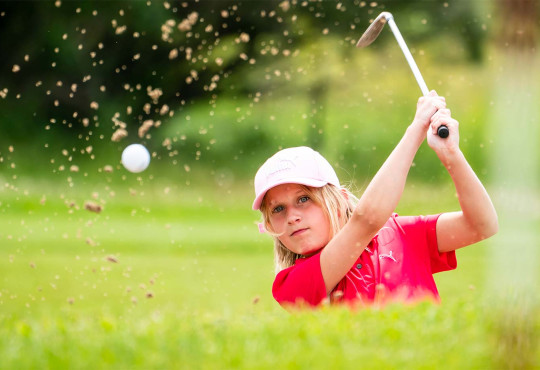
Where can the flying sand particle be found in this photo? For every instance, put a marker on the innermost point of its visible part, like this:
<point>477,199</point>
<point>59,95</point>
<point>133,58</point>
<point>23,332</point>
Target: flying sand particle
<point>285,5</point>
<point>112,259</point>
<point>244,37</point>
<point>119,135</point>
<point>145,127</point>
<point>164,110</point>
<point>93,207</point>
<point>120,30</point>
<point>173,54</point>
<point>146,108</point>
<point>154,94</point>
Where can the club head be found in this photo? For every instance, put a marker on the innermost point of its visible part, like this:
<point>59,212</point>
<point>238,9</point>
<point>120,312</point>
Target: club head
<point>373,30</point>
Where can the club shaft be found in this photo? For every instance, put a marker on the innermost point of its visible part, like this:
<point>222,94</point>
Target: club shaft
<point>408,56</point>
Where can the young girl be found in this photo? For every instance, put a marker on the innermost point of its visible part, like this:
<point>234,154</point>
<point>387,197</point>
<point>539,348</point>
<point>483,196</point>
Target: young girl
<point>329,246</point>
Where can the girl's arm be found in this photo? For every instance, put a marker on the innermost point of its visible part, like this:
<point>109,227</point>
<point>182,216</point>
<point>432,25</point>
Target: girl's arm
<point>379,199</point>
<point>477,219</point>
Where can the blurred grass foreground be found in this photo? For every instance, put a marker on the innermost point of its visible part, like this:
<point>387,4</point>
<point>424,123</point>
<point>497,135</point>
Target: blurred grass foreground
<point>102,268</point>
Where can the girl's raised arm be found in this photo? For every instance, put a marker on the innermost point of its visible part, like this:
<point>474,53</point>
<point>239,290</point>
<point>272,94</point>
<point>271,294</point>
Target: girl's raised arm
<point>477,219</point>
<point>380,198</point>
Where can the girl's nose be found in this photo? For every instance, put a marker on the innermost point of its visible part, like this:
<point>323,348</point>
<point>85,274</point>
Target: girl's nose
<point>293,216</point>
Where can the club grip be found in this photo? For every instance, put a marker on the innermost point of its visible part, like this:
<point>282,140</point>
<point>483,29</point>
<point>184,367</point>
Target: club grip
<point>443,132</point>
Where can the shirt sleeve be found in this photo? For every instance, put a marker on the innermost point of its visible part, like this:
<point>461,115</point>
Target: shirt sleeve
<point>421,233</point>
<point>301,283</point>
<point>439,261</point>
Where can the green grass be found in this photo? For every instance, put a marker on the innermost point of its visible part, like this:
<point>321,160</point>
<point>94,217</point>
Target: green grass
<point>190,288</point>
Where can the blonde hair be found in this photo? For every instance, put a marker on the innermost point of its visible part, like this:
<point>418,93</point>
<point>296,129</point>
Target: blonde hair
<point>336,203</point>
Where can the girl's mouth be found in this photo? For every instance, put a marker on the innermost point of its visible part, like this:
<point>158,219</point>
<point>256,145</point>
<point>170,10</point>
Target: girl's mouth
<point>299,231</point>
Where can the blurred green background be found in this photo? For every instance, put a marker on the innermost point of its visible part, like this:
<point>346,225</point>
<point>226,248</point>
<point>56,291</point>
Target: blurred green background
<point>173,272</point>
<point>238,81</point>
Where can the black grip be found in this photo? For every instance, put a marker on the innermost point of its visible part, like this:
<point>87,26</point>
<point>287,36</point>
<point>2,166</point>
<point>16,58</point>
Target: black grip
<point>443,132</point>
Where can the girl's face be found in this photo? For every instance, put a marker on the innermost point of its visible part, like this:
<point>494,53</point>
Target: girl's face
<point>302,225</point>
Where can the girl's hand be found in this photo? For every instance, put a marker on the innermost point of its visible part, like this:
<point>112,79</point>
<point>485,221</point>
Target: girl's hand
<point>447,145</point>
<point>427,106</point>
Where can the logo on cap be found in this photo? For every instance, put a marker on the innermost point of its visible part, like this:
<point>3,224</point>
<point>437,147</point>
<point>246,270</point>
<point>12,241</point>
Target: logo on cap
<point>284,164</point>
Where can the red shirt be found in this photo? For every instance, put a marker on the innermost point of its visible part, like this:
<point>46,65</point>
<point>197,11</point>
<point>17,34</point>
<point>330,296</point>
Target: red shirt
<point>398,264</point>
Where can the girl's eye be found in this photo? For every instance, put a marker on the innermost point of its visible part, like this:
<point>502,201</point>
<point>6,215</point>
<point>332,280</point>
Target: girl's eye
<point>278,209</point>
<point>303,199</point>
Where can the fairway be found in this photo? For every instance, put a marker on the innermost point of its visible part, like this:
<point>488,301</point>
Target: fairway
<point>181,279</point>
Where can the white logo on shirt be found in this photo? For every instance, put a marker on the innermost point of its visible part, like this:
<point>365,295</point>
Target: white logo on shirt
<point>389,255</point>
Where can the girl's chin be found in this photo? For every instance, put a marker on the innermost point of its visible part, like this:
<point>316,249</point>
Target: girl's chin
<point>310,252</point>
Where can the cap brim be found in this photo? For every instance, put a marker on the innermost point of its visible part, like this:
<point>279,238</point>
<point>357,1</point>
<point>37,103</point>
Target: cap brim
<point>302,181</point>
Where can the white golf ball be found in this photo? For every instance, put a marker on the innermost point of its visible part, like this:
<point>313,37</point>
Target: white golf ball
<point>135,158</point>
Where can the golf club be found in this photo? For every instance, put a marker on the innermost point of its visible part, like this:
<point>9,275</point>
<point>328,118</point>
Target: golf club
<point>371,34</point>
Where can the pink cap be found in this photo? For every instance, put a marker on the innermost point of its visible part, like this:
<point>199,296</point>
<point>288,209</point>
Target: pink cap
<point>300,165</point>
